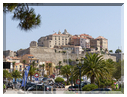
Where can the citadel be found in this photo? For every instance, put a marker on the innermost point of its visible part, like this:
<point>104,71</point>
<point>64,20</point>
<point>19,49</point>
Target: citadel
<point>63,46</point>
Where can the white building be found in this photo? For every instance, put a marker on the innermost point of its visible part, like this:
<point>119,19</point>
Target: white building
<point>85,42</point>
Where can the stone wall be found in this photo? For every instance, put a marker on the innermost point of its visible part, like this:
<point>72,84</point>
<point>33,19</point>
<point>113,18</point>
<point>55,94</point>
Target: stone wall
<point>47,54</point>
<point>23,52</point>
<point>8,53</point>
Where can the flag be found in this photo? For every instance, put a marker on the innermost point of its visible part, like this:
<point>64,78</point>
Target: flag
<point>26,74</point>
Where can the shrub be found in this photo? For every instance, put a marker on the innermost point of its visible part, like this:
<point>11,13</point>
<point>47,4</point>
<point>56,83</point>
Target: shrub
<point>59,79</point>
<point>89,87</point>
<point>45,75</point>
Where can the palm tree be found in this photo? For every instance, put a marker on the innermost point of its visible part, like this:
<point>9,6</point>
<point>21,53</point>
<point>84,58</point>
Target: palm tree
<point>59,66</point>
<point>50,65</point>
<point>13,66</point>
<point>65,70</point>
<point>43,65</point>
<point>94,67</point>
<point>31,72</point>
<point>16,74</point>
<point>33,63</point>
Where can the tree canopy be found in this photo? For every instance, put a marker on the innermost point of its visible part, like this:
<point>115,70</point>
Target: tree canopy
<point>21,11</point>
<point>118,51</point>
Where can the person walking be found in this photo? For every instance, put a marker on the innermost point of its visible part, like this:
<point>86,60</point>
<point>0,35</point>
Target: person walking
<point>117,86</point>
<point>4,88</point>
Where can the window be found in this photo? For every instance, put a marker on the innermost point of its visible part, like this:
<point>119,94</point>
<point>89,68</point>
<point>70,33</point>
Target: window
<point>59,43</point>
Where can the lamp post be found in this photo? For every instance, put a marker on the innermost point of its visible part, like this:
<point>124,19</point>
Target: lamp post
<point>80,67</point>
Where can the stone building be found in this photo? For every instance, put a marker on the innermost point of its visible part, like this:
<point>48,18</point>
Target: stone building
<point>95,44</point>
<point>8,53</point>
<point>55,39</point>
<point>103,42</point>
<point>29,58</point>
<point>33,44</point>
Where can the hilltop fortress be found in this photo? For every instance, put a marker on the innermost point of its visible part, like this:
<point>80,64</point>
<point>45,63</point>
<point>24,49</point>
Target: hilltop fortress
<point>51,47</point>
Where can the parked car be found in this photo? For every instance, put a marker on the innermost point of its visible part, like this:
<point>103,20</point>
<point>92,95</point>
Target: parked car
<point>59,85</point>
<point>99,91</point>
<point>9,85</point>
<point>40,89</point>
<point>29,84</point>
<point>75,87</point>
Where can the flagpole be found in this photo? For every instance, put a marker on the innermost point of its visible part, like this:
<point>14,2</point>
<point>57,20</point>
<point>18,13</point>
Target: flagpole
<point>24,78</point>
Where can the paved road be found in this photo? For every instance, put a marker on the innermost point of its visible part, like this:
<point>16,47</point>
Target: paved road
<point>16,91</point>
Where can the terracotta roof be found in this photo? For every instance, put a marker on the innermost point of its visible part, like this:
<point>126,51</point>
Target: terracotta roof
<point>18,63</point>
<point>48,62</point>
<point>28,54</point>
<point>100,37</point>
<point>75,37</point>
<point>14,58</point>
<point>86,35</point>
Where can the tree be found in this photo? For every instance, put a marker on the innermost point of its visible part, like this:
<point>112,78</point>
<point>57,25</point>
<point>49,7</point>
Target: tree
<point>117,71</point>
<point>16,74</point>
<point>34,64</point>
<point>111,51</point>
<point>70,61</point>
<point>59,66</point>
<point>50,65</point>
<point>5,74</point>
<point>94,67</point>
<point>31,72</point>
<point>22,12</point>
<point>13,65</point>
<point>118,51</point>
<point>65,70</point>
<point>10,76</point>
<point>43,65</point>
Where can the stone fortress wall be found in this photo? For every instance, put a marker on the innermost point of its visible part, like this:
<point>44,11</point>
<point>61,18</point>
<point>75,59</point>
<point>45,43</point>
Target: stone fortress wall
<point>48,54</point>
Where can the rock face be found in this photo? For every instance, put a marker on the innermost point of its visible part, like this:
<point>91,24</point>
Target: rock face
<point>48,54</point>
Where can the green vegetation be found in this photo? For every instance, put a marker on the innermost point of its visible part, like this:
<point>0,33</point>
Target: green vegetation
<point>111,51</point>
<point>64,52</point>
<point>16,74</point>
<point>89,87</point>
<point>50,65</point>
<point>59,79</point>
<point>22,12</point>
<point>118,51</point>
<point>31,72</point>
<point>94,67</point>
<point>65,70</point>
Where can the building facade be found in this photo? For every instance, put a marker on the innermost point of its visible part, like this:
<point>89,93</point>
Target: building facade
<point>29,59</point>
<point>103,43</point>
<point>55,39</point>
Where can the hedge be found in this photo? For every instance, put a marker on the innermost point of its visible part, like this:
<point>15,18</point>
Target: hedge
<point>59,79</point>
<point>89,87</point>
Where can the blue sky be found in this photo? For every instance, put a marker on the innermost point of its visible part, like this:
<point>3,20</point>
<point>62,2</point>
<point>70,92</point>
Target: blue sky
<point>93,20</point>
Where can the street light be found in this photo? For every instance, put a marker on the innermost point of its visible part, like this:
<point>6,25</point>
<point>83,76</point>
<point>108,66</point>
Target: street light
<point>80,67</point>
